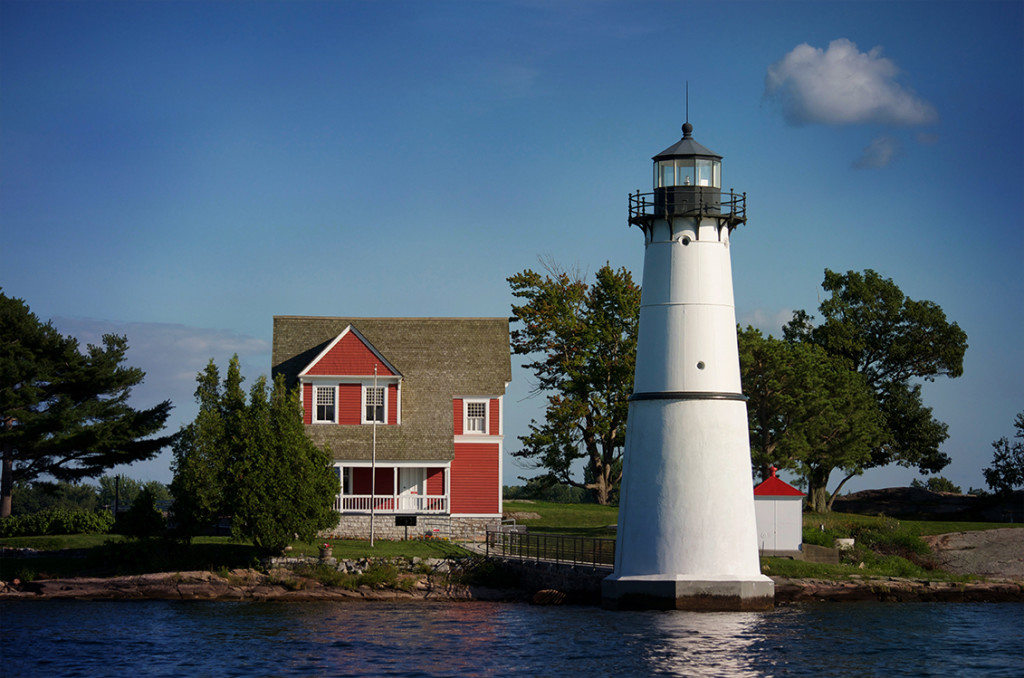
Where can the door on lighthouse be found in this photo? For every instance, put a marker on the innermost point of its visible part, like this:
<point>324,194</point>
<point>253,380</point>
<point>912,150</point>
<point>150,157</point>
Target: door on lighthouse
<point>411,483</point>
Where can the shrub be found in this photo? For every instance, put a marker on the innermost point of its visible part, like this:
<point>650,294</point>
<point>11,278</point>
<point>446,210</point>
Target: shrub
<point>142,519</point>
<point>57,521</point>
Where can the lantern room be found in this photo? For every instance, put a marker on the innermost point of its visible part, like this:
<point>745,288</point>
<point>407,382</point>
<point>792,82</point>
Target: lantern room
<point>687,178</point>
<point>687,163</point>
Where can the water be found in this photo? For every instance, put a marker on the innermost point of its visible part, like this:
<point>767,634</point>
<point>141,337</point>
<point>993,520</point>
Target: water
<point>169,638</point>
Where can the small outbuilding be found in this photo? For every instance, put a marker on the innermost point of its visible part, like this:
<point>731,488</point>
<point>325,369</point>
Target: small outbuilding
<point>778,508</point>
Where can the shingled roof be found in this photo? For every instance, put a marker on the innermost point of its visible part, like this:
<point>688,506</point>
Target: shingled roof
<point>439,358</point>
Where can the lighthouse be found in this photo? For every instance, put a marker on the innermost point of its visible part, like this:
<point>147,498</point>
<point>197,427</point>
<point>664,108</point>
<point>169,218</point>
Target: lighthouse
<point>687,535</point>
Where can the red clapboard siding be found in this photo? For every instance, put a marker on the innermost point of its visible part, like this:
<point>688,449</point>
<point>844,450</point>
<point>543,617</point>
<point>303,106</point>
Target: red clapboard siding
<point>474,481</point>
<point>350,403</point>
<point>307,403</point>
<point>435,481</point>
<point>392,392</point>
<point>349,356</point>
<point>457,414</point>
<point>493,417</point>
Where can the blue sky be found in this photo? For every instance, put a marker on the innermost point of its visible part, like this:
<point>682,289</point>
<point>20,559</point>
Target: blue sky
<point>181,172</point>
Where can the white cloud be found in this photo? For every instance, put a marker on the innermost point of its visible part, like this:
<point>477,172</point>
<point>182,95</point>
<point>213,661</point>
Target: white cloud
<point>841,86</point>
<point>879,153</point>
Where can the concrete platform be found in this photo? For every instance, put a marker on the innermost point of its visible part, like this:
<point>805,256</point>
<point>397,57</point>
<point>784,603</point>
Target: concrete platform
<point>682,592</point>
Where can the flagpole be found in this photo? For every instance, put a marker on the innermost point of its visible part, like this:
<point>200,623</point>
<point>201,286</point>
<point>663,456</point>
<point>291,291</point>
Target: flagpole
<point>373,457</point>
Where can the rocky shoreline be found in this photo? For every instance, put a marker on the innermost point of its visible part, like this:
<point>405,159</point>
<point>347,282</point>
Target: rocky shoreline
<point>996,557</point>
<point>251,585</point>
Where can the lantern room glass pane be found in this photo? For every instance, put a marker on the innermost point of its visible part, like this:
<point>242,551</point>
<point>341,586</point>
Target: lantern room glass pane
<point>684,172</point>
<point>667,177</point>
<point>704,174</point>
<point>716,174</point>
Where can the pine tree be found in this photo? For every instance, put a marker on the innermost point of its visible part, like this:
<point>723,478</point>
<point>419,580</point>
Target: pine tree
<point>65,413</point>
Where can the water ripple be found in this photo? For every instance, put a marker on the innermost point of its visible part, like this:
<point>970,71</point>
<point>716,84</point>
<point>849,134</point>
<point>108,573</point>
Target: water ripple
<point>168,638</point>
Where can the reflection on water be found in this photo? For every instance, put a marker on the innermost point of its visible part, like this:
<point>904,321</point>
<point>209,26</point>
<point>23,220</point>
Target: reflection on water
<point>162,638</point>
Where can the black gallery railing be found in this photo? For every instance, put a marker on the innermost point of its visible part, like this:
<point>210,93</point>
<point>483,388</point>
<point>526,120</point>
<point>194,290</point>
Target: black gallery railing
<point>552,548</point>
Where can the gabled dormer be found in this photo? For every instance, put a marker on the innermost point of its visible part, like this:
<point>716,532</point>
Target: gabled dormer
<point>351,383</point>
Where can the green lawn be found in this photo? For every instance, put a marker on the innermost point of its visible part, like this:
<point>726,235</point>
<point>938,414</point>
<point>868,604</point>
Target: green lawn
<point>588,520</point>
<point>107,555</point>
<point>886,545</point>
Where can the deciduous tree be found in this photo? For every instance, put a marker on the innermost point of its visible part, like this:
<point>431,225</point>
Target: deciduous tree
<point>582,341</point>
<point>1007,470</point>
<point>64,413</point>
<point>807,411</point>
<point>894,342</point>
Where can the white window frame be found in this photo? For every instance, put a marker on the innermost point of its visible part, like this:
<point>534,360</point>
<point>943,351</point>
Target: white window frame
<point>466,430</point>
<point>384,395</point>
<point>315,418</point>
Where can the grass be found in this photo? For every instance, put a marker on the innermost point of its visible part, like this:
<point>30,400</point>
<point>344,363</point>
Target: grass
<point>352,549</point>
<point>886,546</point>
<point>108,555</point>
<point>587,520</point>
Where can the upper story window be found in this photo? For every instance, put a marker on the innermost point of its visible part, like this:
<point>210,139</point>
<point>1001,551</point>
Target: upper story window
<point>373,401</point>
<point>325,399</point>
<point>476,417</point>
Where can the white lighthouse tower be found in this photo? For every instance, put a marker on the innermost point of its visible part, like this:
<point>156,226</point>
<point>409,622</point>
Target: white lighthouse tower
<point>687,536</point>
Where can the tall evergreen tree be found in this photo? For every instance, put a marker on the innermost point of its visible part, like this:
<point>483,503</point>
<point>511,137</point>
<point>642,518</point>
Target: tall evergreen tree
<point>65,413</point>
<point>254,462</point>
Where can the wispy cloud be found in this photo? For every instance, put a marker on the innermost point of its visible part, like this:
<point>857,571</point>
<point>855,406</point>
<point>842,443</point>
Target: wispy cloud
<point>769,322</point>
<point>171,355</point>
<point>842,85</point>
<point>879,153</point>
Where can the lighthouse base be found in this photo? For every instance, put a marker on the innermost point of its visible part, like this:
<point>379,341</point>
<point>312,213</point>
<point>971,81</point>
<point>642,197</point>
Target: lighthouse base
<point>682,592</point>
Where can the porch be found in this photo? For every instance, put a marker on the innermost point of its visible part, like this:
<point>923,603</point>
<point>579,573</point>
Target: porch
<point>400,503</point>
<point>392,488</point>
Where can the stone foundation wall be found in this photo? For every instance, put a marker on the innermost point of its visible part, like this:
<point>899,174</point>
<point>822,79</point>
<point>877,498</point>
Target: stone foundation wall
<point>352,526</point>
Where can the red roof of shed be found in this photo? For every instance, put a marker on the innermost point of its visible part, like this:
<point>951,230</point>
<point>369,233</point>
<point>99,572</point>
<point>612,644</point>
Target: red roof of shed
<point>776,487</point>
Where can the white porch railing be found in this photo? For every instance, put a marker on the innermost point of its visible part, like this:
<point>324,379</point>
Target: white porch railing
<point>402,503</point>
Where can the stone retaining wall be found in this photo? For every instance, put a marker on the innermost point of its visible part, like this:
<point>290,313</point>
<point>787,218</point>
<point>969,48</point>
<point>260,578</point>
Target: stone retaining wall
<point>354,526</point>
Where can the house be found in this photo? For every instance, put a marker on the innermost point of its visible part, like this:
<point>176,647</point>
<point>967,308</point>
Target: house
<point>778,509</point>
<point>411,410</point>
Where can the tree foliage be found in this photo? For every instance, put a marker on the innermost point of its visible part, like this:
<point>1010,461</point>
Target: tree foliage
<point>251,461</point>
<point>937,484</point>
<point>894,342</point>
<point>582,341</point>
<point>124,490</point>
<point>807,411</point>
<point>1006,472</point>
<point>43,496</point>
<point>64,413</point>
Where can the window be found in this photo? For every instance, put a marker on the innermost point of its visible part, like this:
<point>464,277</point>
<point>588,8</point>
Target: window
<point>324,399</point>
<point>374,404</point>
<point>476,417</point>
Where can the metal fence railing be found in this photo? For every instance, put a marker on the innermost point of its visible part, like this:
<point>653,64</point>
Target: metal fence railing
<point>552,548</point>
